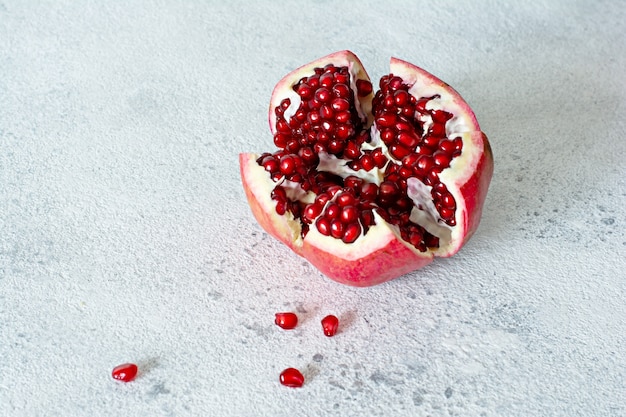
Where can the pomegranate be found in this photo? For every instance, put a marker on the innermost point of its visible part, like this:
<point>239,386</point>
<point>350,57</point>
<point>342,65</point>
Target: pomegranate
<point>369,185</point>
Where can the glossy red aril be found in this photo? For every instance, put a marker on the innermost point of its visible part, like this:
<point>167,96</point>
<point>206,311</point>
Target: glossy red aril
<point>369,184</point>
<point>330,324</point>
<point>125,372</point>
<point>291,377</point>
<point>286,320</point>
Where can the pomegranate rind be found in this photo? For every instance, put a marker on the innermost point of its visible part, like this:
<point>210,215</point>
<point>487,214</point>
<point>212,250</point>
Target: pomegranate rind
<point>346,58</point>
<point>377,257</point>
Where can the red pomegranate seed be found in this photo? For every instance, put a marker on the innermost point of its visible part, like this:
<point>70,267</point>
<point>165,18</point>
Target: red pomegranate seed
<point>352,232</point>
<point>367,162</point>
<point>286,320</point>
<point>287,164</point>
<point>125,372</point>
<point>291,377</point>
<point>330,324</point>
<point>363,87</point>
<point>349,214</point>
<point>337,228</point>
<point>323,226</point>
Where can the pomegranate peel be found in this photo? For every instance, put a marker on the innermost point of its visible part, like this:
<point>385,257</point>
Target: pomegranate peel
<point>368,185</point>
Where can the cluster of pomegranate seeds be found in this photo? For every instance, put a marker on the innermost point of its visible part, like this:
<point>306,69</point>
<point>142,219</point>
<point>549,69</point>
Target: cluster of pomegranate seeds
<point>330,324</point>
<point>291,377</point>
<point>423,150</point>
<point>326,121</point>
<point>286,321</point>
<point>125,372</point>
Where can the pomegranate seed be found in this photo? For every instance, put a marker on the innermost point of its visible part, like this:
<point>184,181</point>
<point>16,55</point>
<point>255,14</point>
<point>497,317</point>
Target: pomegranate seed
<point>353,182</point>
<point>333,211</point>
<point>340,104</point>
<point>363,88</point>
<point>440,116</point>
<point>367,162</point>
<point>330,324</point>
<point>430,141</point>
<point>125,372</point>
<point>351,150</point>
<point>311,211</point>
<point>327,80</point>
<point>438,129</point>
<point>446,213</point>
<point>323,95</point>
<point>447,201</point>
<point>395,83</point>
<point>369,190</point>
<point>349,214</point>
<point>343,132</point>
<point>305,91</point>
<point>343,117</point>
<point>387,189</point>
<point>353,231</point>
<point>323,226</point>
<point>282,126</point>
<point>286,320</point>
<point>292,378</point>
<point>345,199</point>
<point>387,135</point>
<point>280,140</point>
<point>386,120</point>
<point>408,139</point>
<point>287,164</point>
<point>271,165</point>
<point>379,157</point>
<point>401,98</point>
<point>341,90</point>
<point>421,105</point>
<point>447,146</point>
<point>281,207</point>
<point>441,159</point>
<point>326,112</point>
<point>342,76</point>
<point>367,218</point>
<point>403,125</point>
<point>337,228</point>
<point>409,161</point>
<point>398,151</point>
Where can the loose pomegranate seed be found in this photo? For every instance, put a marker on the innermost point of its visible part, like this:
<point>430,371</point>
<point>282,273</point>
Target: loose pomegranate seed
<point>286,320</point>
<point>125,372</point>
<point>291,377</point>
<point>330,324</point>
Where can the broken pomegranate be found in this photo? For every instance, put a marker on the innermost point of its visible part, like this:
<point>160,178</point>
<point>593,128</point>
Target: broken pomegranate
<point>369,185</point>
<point>291,377</point>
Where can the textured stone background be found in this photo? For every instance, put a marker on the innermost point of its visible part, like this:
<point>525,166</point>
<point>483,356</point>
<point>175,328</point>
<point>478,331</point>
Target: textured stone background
<point>125,235</point>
